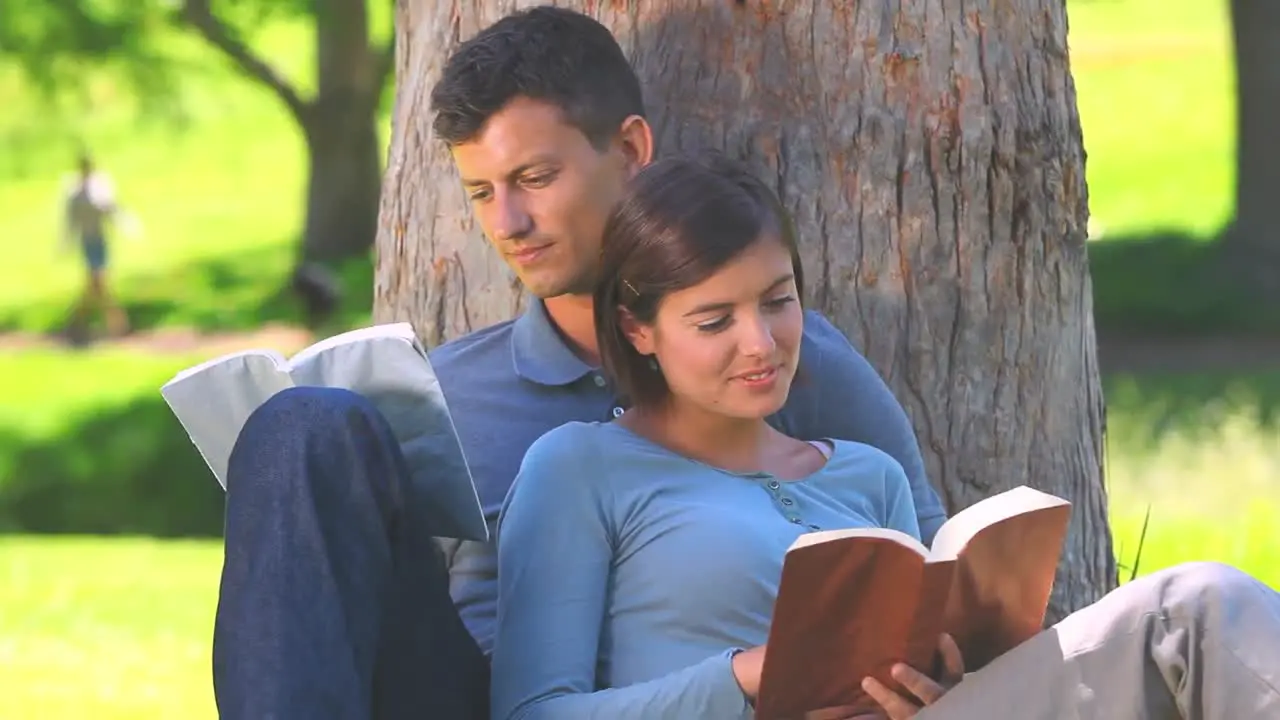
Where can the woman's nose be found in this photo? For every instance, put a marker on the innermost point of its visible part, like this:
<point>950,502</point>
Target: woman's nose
<point>757,337</point>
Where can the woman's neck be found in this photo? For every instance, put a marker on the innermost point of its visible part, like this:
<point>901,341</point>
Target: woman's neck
<point>734,444</point>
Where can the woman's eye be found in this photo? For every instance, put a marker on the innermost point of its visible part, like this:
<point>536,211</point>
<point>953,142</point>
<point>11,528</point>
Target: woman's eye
<point>780,301</point>
<point>716,325</point>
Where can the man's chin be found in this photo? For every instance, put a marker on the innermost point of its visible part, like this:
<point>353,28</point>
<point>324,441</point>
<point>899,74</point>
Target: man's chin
<point>547,288</point>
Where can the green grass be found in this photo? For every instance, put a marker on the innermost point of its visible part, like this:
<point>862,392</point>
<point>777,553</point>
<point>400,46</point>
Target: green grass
<point>120,628</point>
<point>106,629</point>
<point>1201,452</point>
<point>115,628</point>
<point>1155,85</point>
<point>217,176</point>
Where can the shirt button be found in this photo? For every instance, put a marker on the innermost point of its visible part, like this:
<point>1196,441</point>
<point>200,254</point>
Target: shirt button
<point>786,501</point>
<point>599,381</point>
<point>797,521</point>
<point>617,412</point>
<point>773,485</point>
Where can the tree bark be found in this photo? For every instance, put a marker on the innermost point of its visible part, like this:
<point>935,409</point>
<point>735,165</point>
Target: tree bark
<point>931,154</point>
<point>1253,240</point>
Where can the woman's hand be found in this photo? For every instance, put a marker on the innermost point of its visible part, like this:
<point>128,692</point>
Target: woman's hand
<point>924,689</point>
<point>747,666</point>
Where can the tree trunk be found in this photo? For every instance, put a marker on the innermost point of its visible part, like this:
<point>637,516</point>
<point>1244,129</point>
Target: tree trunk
<point>339,124</point>
<point>934,164</point>
<point>1253,240</point>
<point>342,137</point>
<point>343,183</point>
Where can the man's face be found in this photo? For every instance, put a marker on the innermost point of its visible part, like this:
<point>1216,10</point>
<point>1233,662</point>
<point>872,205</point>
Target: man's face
<point>542,193</point>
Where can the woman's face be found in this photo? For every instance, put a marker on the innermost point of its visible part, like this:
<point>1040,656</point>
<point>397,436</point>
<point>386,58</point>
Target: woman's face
<point>730,344</point>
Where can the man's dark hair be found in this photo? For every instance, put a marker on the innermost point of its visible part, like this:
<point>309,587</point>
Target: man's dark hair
<point>680,221</point>
<point>544,53</point>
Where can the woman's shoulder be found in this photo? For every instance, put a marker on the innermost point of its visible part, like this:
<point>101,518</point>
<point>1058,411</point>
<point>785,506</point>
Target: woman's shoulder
<point>849,454</point>
<point>571,443</point>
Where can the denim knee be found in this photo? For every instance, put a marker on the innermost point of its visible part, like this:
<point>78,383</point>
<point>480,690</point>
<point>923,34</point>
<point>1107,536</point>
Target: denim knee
<point>298,434</point>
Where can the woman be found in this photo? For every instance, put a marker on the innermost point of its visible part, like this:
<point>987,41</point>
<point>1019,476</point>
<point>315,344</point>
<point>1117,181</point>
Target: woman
<point>645,553</point>
<point>637,558</point>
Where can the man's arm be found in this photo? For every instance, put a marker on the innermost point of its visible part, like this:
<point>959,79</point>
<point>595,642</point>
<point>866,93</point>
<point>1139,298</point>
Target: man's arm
<point>840,395</point>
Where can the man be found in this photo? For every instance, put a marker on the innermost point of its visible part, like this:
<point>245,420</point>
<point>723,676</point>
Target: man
<point>334,603</point>
<point>89,205</point>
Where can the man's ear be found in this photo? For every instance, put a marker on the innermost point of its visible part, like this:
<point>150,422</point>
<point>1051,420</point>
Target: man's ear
<point>637,333</point>
<point>635,140</point>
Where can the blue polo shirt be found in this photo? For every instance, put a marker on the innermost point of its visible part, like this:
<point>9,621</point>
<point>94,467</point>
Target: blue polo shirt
<point>510,383</point>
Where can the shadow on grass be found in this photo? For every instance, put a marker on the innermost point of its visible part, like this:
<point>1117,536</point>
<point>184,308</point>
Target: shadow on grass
<point>1151,407</point>
<point>127,470</point>
<point>1184,344</point>
<point>228,293</point>
<point>1167,282</point>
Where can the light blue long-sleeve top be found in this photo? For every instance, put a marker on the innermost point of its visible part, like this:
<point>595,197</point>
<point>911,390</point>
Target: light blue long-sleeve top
<point>628,574</point>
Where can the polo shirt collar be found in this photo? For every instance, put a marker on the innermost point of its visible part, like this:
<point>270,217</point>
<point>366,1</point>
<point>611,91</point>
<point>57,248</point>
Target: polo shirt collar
<point>540,353</point>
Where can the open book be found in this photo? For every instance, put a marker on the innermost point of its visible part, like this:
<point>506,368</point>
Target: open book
<point>851,603</point>
<point>387,365</point>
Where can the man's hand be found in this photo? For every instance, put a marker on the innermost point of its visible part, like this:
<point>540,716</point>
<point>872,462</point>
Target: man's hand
<point>925,690</point>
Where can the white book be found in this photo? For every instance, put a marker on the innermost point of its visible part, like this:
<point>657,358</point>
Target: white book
<point>384,363</point>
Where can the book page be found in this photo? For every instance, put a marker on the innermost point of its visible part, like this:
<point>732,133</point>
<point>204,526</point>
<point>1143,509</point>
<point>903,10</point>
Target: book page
<point>214,400</point>
<point>276,358</point>
<point>960,528</point>
<point>1002,582</point>
<point>402,331</point>
<point>897,536</point>
<point>392,371</point>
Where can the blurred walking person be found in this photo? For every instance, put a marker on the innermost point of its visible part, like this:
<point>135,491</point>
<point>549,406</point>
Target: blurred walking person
<point>90,206</point>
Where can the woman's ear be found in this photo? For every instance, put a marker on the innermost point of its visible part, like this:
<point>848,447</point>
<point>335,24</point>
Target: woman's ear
<point>637,333</point>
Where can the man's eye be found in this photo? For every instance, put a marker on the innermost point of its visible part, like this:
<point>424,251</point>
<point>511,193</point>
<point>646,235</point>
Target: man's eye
<point>537,181</point>
<point>479,195</point>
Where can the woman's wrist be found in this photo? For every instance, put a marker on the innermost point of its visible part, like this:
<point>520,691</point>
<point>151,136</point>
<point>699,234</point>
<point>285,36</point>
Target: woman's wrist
<point>746,666</point>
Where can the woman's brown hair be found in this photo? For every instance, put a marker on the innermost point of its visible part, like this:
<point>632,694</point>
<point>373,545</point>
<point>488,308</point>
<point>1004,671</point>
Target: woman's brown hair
<point>680,220</point>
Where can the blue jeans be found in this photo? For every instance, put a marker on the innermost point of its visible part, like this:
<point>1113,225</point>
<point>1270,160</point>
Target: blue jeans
<point>334,602</point>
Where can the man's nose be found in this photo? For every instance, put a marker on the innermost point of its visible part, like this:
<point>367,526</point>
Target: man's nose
<point>511,219</point>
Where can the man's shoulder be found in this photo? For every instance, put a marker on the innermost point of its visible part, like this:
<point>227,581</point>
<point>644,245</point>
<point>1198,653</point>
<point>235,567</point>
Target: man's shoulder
<point>824,345</point>
<point>478,348</point>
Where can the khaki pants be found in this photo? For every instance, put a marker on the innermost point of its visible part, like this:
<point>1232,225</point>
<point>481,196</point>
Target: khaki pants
<point>1200,640</point>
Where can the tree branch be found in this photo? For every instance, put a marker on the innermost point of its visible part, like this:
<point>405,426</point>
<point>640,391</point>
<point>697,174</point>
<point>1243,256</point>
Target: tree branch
<point>198,15</point>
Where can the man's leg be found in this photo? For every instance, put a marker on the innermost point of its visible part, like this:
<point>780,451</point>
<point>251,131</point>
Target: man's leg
<point>1200,640</point>
<point>334,604</point>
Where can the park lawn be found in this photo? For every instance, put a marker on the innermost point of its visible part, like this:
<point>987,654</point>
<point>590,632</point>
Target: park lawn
<point>116,628</point>
<point>120,627</point>
<point>106,628</point>
<point>1155,86</point>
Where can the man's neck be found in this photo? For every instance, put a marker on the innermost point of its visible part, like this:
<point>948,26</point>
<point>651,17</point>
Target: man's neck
<point>573,316</point>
